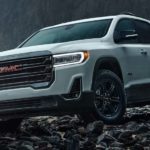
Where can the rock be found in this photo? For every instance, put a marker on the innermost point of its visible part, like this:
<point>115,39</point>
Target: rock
<point>14,144</point>
<point>64,124</point>
<point>137,147</point>
<point>44,145</point>
<point>95,128</point>
<point>64,120</point>
<point>75,122</point>
<point>55,139</point>
<point>7,139</point>
<point>25,143</point>
<point>4,147</point>
<point>82,131</point>
<point>73,143</point>
<point>142,128</point>
<point>35,139</point>
<point>116,148</point>
<point>64,128</point>
<point>105,139</point>
<point>114,133</point>
<point>117,144</point>
<point>31,139</point>
<point>38,130</point>
<point>132,126</point>
<point>89,145</point>
<point>71,133</point>
<point>25,147</point>
<point>127,138</point>
<point>145,141</point>
<point>101,146</point>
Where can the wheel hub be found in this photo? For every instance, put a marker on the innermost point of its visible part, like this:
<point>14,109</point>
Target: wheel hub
<point>107,98</point>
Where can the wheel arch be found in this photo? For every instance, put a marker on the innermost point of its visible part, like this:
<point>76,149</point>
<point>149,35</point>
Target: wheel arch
<point>108,63</point>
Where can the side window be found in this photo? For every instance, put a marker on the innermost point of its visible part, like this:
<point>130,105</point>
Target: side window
<point>124,31</point>
<point>143,31</point>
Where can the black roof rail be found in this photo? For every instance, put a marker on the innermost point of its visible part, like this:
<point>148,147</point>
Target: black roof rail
<point>127,13</point>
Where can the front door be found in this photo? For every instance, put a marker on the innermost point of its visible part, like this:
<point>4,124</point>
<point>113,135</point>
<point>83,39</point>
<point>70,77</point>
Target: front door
<point>134,61</point>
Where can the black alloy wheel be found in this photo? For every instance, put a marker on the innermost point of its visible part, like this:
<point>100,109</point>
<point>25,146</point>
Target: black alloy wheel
<point>110,101</point>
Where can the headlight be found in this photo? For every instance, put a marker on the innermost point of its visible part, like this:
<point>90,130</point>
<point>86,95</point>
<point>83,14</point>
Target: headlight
<point>70,58</point>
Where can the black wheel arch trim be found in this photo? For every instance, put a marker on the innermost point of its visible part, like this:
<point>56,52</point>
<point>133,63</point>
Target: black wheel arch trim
<point>100,61</point>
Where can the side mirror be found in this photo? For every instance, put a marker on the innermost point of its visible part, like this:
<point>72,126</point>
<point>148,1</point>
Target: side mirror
<point>126,35</point>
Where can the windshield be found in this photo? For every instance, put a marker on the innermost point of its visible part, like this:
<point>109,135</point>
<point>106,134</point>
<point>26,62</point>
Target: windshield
<point>73,32</point>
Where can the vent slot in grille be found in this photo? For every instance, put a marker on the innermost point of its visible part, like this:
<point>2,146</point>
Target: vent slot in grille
<point>26,71</point>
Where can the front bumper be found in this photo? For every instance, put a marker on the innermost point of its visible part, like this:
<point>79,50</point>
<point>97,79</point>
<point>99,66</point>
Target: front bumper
<point>61,83</point>
<point>51,105</point>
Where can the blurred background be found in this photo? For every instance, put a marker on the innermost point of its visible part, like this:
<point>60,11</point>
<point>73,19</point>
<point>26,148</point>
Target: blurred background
<point>20,18</point>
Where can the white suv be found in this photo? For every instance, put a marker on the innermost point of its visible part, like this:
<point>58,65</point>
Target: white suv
<point>95,67</point>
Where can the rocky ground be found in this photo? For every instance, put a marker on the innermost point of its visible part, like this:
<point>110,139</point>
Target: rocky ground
<point>71,133</point>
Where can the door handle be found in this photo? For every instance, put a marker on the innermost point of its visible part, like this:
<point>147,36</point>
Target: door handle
<point>143,52</point>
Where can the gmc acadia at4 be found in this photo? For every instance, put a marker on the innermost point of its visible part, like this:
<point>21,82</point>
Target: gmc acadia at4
<point>93,67</point>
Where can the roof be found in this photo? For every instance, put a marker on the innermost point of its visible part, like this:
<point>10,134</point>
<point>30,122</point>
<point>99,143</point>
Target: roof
<point>95,19</point>
<point>80,21</point>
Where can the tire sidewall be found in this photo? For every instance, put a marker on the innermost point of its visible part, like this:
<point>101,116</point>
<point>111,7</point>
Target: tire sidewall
<point>106,74</point>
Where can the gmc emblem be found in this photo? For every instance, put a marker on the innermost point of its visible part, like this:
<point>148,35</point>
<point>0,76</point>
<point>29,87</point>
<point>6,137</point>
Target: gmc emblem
<point>10,68</point>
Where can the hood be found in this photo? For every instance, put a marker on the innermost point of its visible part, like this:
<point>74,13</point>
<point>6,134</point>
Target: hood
<point>57,48</point>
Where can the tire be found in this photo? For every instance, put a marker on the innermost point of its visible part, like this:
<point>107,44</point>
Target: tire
<point>109,101</point>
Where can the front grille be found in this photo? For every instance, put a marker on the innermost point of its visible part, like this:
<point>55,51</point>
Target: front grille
<point>26,72</point>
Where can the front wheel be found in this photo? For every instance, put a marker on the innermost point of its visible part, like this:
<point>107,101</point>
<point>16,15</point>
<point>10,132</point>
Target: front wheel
<point>109,102</point>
